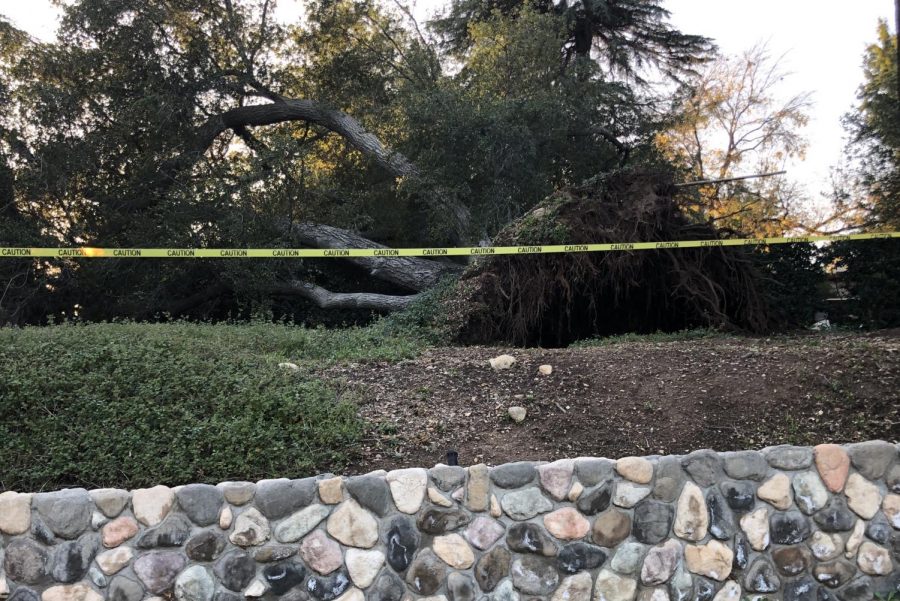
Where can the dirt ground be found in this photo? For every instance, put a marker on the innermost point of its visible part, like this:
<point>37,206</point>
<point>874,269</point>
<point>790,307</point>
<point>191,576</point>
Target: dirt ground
<point>643,398</point>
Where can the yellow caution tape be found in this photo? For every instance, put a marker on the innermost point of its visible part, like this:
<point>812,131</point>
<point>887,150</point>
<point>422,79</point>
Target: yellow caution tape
<point>281,253</point>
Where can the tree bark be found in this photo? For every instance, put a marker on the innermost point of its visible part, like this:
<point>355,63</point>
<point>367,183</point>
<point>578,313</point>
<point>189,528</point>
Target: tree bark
<point>310,111</point>
<point>325,299</point>
<point>412,273</point>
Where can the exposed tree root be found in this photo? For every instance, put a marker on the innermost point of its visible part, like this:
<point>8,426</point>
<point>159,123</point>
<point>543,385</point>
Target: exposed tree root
<point>552,300</point>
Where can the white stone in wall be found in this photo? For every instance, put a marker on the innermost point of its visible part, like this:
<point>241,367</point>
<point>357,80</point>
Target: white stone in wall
<point>636,469</point>
<point>15,512</point>
<point>436,497</point>
<point>353,525</point>
<point>114,560</point>
<point>855,539</point>
<point>874,560</point>
<point>628,495</point>
<point>691,515</point>
<point>731,591</point>
<point>574,588</point>
<point>71,592</point>
<point>891,509</point>
<point>250,528</point>
<point>331,490</point>
<point>612,587</point>
<point>408,488</point>
<point>810,493</point>
<point>300,523</point>
<point>363,565</point>
<point>225,518</point>
<point>756,527</point>
<point>257,588</point>
<point>777,491</point>
<point>863,497</point>
<point>151,505</point>
<point>712,559</point>
<point>454,551</point>
<point>826,546</point>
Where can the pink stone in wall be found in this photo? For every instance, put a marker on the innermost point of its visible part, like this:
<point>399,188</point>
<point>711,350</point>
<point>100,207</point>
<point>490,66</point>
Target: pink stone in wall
<point>833,464</point>
<point>566,524</point>
<point>321,553</point>
<point>118,531</point>
<point>556,477</point>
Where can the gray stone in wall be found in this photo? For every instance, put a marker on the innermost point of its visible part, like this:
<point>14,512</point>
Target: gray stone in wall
<point>41,532</point>
<point>531,538</point>
<point>157,570</point>
<point>705,467</point>
<point>834,573</point>
<point>71,559</point>
<point>402,541</point>
<point>746,465</point>
<point>97,577</point>
<point>283,576</point>
<point>792,561</point>
<point>441,521</point>
<point>534,575</point>
<point>238,493</point>
<point>23,593</point>
<point>804,589</point>
<point>271,553</point>
<point>740,496</point>
<point>492,568</point>
<point>194,584</point>
<point>741,552</point>
<point>172,532</point>
<point>670,477</point>
<point>787,457</point>
<point>66,512</point>
<point>761,577</point>
<point>592,471</point>
<point>859,590</point>
<point>388,587</point>
<point>892,478</point>
<point>235,570</point>
<point>122,588</point>
<point>872,458</point>
<point>426,573</point>
<point>835,516</point>
<point>277,498</point>
<point>229,596</point>
<point>205,546</point>
<point>652,521</point>
<point>110,501</point>
<point>705,589</point>
<point>513,475</point>
<point>721,519</point>
<point>200,502</point>
<point>372,492</point>
<point>460,587</point>
<point>578,556</point>
<point>596,500</point>
<point>447,477</point>
<point>879,530</point>
<point>525,504</point>
<point>789,528</point>
<point>25,561</point>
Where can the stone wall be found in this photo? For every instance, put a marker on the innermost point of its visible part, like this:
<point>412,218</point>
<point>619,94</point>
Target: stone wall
<point>789,523</point>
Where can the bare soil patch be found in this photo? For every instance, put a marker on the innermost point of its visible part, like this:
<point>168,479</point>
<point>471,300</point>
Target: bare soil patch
<point>723,393</point>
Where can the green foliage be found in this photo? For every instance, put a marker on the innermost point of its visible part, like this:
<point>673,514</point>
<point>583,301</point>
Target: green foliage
<point>869,273</point>
<point>794,284</point>
<point>696,334</point>
<point>874,128</point>
<point>134,404</point>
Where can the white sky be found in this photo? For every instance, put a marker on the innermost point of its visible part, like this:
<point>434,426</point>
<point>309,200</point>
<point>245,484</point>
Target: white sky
<point>823,43</point>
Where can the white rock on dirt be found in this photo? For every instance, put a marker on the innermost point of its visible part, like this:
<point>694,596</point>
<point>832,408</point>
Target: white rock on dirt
<point>502,362</point>
<point>545,370</point>
<point>517,414</point>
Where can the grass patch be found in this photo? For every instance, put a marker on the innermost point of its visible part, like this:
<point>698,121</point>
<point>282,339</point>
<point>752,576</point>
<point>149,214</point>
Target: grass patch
<point>683,335</point>
<point>137,404</point>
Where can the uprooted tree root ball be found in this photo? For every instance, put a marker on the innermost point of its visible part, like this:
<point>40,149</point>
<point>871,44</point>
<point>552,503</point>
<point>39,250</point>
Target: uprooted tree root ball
<point>552,300</point>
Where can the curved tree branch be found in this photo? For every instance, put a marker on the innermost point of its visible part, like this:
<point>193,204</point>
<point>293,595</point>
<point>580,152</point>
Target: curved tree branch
<point>325,299</point>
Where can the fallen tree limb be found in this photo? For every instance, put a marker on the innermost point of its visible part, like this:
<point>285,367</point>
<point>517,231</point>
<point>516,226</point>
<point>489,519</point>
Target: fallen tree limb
<point>325,299</point>
<point>412,273</point>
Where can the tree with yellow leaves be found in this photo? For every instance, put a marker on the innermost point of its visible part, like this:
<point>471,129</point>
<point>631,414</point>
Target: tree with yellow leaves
<point>733,120</point>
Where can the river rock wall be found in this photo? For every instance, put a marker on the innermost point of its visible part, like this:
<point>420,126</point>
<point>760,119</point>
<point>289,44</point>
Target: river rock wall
<point>791,523</point>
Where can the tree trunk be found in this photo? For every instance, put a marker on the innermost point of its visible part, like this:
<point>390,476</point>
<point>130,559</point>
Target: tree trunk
<point>325,299</point>
<point>411,273</point>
